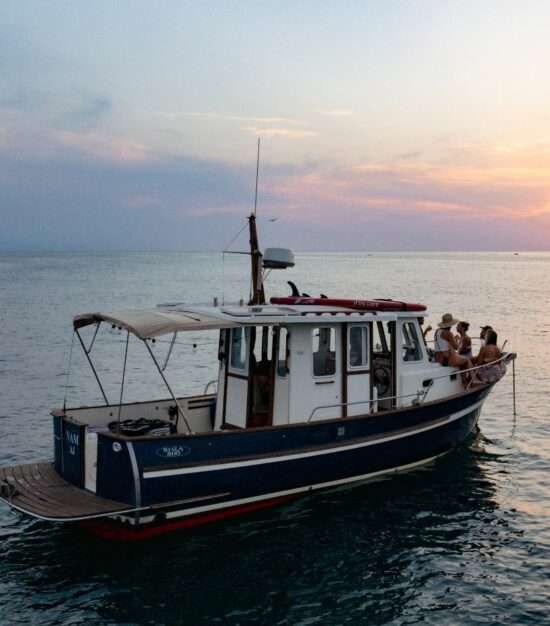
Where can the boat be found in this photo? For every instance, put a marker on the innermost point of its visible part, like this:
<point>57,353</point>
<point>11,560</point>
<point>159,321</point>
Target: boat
<point>310,394</point>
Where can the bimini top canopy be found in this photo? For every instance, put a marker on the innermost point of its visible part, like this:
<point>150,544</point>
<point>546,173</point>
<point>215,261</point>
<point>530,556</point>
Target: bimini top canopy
<point>155,322</point>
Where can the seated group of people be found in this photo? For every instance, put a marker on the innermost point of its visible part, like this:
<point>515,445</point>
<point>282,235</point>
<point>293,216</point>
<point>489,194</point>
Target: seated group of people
<point>456,350</point>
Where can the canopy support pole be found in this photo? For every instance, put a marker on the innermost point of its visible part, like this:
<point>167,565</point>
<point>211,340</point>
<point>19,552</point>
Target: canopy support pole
<point>93,338</point>
<point>180,410</point>
<point>92,366</point>
<point>68,373</point>
<point>123,377</point>
<point>169,351</point>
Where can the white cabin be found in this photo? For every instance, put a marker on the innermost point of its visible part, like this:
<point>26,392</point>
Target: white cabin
<point>289,364</point>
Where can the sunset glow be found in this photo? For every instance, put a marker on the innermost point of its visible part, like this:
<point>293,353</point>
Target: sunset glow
<point>429,115</point>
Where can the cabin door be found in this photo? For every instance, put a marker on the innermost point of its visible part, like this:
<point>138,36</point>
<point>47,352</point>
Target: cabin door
<point>357,376</point>
<point>315,373</point>
<point>261,377</point>
<point>236,384</point>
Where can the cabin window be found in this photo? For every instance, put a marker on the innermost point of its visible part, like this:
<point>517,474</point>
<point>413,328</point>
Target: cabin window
<point>411,348</point>
<point>239,349</point>
<point>358,346</point>
<point>262,340</point>
<point>282,358</point>
<point>324,351</point>
<point>381,340</point>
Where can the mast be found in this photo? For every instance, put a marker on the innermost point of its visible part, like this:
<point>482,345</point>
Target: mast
<point>257,295</point>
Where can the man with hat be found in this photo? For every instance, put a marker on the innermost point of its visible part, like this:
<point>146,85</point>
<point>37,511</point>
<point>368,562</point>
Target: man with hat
<point>445,346</point>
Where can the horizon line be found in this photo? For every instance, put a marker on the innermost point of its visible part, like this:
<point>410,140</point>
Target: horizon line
<point>106,251</point>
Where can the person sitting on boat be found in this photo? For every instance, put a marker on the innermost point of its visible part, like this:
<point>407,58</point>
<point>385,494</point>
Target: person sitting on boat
<point>489,355</point>
<point>483,333</point>
<point>425,331</point>
<point>445,346</point>
<point>464,341</point>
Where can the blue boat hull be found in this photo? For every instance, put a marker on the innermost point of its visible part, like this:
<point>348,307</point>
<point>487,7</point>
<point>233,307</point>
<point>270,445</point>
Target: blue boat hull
<point>176,478</point>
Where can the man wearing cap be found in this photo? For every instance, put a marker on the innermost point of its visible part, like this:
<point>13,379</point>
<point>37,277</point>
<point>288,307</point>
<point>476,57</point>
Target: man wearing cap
<point>445,346</point>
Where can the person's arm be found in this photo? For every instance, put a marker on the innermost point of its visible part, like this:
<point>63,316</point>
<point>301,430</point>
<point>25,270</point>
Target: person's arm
<point>426,331</point>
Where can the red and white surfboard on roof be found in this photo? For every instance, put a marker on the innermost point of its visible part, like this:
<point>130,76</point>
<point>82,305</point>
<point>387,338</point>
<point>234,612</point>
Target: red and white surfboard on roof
<point>360,305</point>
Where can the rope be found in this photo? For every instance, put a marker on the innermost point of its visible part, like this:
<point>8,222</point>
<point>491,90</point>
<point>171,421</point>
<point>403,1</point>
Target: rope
<point>226,247</point>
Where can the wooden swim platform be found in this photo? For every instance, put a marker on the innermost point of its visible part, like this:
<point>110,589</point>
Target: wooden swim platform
<point>38,490</point>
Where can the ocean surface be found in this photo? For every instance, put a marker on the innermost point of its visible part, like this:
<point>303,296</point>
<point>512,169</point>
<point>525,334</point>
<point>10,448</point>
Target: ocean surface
<point>463,541</point>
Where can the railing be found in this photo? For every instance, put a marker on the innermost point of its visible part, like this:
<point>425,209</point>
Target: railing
<point>208,385</point>
<point>420,395</point>
<point>509,356</point>
<point>505,358</point>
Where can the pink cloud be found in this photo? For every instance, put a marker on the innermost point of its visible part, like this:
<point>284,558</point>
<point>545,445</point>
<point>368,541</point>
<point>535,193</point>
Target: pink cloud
<point>512,185</point>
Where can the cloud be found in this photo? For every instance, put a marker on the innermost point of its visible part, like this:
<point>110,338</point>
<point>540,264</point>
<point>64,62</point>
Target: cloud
<point>62,189</point>
<point>288,133</point>
<point>85,114</point>
<point>80,193</point>
<point>35,88</point>
<point>171,115</point>
<point>406,156</point>
<point>404,204</point>
<point>260,126</point>
<point>102,147</point>
<point>335,113</point>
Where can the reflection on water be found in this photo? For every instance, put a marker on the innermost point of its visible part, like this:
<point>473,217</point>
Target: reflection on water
<point>465,541</point>
<point>371,554</point>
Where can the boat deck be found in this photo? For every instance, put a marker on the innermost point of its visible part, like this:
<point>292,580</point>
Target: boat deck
<point>38,490</point>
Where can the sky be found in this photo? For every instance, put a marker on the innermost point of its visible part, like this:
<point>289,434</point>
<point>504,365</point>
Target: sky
<point>384,125</point>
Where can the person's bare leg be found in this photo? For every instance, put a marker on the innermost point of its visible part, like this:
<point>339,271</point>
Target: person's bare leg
<point>455,360</point>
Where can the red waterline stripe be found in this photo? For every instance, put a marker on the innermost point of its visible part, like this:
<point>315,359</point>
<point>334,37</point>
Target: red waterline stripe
<point>116,531</point>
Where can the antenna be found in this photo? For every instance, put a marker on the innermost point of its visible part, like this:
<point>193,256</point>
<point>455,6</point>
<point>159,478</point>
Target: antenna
<point>257,174</point>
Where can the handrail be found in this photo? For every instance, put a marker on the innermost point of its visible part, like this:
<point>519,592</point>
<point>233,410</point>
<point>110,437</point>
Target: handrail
<point>508,356</point>
<point>215,380</point>
<point>476,340</point>
<point>418,394</point>
<point>421,395</point>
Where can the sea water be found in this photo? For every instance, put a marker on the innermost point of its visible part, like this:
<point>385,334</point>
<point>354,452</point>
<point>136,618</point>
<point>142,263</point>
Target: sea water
<point>463,541</point>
